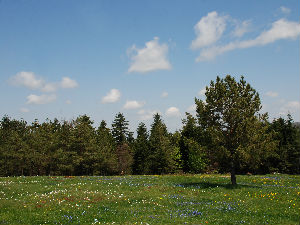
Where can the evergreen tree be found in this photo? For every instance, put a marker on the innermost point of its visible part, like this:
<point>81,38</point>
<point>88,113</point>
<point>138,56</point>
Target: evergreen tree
<point>161,159</point>
<point>106,160</point>
<point>287,158</point>
<point>141,151</point>
<point>83,145</point>
<point>121,135</point>
<point>228,115</point>
<point>192,146</point>
<point>120,129</point>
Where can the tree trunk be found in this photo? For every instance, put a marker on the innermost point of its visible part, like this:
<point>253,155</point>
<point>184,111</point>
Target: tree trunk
<point>233,177</point>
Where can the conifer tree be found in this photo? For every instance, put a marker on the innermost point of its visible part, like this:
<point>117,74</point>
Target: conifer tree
<point>230,115</point>
<point>141,150</point>
<point>161,159</point>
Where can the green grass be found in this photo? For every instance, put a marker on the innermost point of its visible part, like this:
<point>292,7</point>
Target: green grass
<point>169,199</point>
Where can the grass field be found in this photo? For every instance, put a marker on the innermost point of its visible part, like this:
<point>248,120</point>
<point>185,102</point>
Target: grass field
<point>169,199</point>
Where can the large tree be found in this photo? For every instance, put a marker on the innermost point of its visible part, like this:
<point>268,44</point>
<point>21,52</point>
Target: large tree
<point>230,115</point>
<point>141,150</point>
<point>123,138</point>
<point>162,158</point>
<point>287,157</point>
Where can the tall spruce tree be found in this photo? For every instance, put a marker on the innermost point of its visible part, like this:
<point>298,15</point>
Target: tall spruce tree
<point>106,160</point>
<point>161,158</point>
<point>230,114</point>
<point>287,158</point>
<point>141,151</point>
<point>121,135</point>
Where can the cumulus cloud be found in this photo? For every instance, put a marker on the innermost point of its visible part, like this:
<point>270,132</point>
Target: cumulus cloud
<point>172,111</point>
<point>147,114</point>
<point>40,99</point>
<point>49,87</point>
<point>208,30</point>
<point>67,82</point>
<point>31,81</point>
<point>272,94</point>
<point>112,96</point>
<point>27,79</point>
<point>164,94</point>
<point>133,105</point>
<point>150,58</point>
<point>281,29</point>
<point>290,107</point>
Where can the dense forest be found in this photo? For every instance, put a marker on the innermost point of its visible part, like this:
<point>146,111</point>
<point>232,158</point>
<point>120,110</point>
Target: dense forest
<point>226,135</point>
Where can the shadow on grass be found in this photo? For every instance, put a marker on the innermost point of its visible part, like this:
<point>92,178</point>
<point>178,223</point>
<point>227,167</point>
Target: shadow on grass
<point>205,185</point>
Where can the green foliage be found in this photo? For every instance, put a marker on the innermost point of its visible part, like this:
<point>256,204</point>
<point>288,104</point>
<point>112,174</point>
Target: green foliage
<point>120,129</point>
<point>227,135</point>
<point>161,159</point>
<point>287,156</point>
<point>141,151</point>
<point>230,117</point>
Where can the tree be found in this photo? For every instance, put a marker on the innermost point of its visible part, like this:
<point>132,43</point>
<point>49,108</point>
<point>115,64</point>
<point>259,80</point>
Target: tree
<point>230,111</point>
<point>122,137</point>
<point>192,146</point>
<point>106,159</point>
<point>161,159</point>
<point>120,129</point>
<point>287,155</point>
<point>141,150</point>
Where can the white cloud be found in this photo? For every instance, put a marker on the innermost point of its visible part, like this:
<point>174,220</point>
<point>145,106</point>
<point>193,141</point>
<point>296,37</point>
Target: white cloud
<point>27,79</point>
<point>31,81</point>
<point>133,105</point>
<point>141,112</point>
<point>49,87</point>
<point>68,102</point>
<point>272,94</point>
<point>202,92</point>
<point>24,110</point>
<point>67,82</point>
<point>152,57</point>
<point>164,94</point>
<point>147,114</point>
<point>112,96</point>
<point>172,111</point>
<point>281,29</point>
<point>40,99</point>
<point>242,28</point>
<point>285,10</point>
<point>290,107</point>
<point>209,29</point>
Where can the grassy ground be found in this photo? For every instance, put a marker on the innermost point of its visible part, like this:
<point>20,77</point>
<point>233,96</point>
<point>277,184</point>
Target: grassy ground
<point>174,199</point>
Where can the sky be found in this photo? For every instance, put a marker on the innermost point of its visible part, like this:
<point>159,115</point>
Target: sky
<point>64,58</point>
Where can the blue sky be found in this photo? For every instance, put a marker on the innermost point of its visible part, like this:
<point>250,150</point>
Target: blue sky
<point>60,59</point>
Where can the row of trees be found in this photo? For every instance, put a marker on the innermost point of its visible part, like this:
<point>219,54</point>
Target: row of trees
<point>228,134</point>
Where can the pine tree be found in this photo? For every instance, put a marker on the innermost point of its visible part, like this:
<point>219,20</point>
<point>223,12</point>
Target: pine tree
<point>230,112</point>
<point>121,135</point>
<point>161,159</point>
<point>106,159</point>
<point>141,150</point>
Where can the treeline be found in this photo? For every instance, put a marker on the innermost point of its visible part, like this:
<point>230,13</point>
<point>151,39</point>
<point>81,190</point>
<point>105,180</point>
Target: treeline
<point>228,134</point>
<point>78,148</point>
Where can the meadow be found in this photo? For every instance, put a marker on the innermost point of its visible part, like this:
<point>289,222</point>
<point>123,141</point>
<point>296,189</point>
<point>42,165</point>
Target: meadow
<point>166,199</point>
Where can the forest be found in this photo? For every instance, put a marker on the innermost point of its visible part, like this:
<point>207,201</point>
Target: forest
<point>227,135</point>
